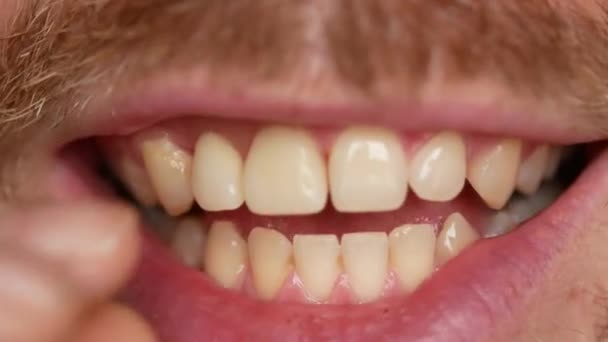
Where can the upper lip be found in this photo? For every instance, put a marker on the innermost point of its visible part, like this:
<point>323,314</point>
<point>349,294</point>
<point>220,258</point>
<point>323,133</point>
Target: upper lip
<point>149,101</point>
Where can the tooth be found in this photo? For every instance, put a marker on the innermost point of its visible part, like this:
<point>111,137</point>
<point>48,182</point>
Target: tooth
<point>456,235</point>
<point>438,170</point>
<point>217,174</point>
<point>188,242</point>
<point>524,208</point>
<point>412,253</point>
<point>317,264</point>
<point>225,254</point>
<point>365,258</point>
<point>499,224</point>
<point>169,168</point>
<point>367,171</point>
<point>531,170</point>
<point>136,179</point>
<point>270,259</point>
<point>285,173</point>
<point>555,156</point>
<point>493,172</point>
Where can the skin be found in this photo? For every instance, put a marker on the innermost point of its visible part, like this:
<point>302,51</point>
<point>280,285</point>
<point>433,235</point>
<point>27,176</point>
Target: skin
<point>59,59</point>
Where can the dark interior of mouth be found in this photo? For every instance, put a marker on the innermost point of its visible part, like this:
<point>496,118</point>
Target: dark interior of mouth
<point>414,212</point>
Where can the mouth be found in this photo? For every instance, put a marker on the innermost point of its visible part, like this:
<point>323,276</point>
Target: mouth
<point>318,226</point>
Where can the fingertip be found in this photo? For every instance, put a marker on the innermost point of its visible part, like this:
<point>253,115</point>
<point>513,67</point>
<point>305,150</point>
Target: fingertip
<point>36,304</point>
<point>97,244</point>
<point>116,322</point>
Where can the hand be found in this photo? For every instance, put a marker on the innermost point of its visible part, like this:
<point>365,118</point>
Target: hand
<point>60,265</point>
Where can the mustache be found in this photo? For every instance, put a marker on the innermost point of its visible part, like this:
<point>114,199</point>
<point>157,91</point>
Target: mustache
<point>55,52</point>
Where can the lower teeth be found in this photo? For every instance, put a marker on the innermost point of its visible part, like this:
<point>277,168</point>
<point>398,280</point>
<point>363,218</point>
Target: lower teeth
<point>521,208</point>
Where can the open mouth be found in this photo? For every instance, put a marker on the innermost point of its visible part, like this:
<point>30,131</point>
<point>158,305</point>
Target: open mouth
<point>346,231</point>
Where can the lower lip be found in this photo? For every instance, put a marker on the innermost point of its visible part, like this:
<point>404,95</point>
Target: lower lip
<point>491,282</point>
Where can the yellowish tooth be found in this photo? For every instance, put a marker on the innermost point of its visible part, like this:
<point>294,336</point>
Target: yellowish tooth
<point>555,156</point>
<point>188,241</point>
<point>367,171</point>
<point>217,174</point>
<point>285,173</point>
<point>136,179</point>
<point>270,259</point>
<point>531,170</point>
<point>170,169</point>
<point>225,254</point>
<point>412,253</point>
<point>493,172</point>
<point>365,259</point>
<point>438,170</point>
<point>456,235</point>
<point>317,264</point>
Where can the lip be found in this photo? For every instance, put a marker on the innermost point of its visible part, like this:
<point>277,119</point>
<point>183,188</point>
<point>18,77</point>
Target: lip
<point>143,103</point>
<point>484,289</point>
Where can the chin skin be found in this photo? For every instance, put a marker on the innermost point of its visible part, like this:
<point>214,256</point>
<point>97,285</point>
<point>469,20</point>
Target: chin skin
<point>573,306</point>
<point>573,303</point>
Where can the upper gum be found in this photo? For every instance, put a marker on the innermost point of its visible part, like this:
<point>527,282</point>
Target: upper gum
<point>185,132</point>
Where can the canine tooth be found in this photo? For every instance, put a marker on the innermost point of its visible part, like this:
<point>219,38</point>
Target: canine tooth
<point>365,259</point>
<point>412,253</point>
<point>532,169</point>
<point>169,168</point>
<point>493,172</point>
<point>317,263</point>
<point>188,241</point>
<point>456,235</point>
<point>270,259</point>
<point>217,174</point>
<point>555,156</point>
<point>367,171</point>
<point>137,181</point>
<point>438,170</point>
<point>285,173</point>
<point>225,254</point>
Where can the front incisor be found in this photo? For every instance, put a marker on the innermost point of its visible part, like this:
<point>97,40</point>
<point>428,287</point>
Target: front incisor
<point>367,171</point>
<point>317,264</point>
<point>270,258</point>
<point>412,253</point>
<point>285,173</point>
<point>365,258</point>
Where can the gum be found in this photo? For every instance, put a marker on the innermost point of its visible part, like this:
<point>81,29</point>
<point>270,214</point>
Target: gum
<point>185,132</point>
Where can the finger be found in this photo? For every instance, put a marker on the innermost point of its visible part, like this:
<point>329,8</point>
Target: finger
<point>36,304</point>
<point>95,244</point>
<point>115,322</point>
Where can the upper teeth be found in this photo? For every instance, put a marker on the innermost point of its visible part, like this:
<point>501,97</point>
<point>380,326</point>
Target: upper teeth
<point>170,170</point>
<point>367,170</point>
